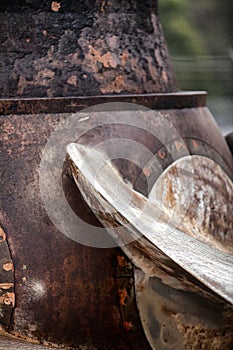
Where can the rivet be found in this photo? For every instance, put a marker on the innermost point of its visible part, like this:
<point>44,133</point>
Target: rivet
<point>127,326</point>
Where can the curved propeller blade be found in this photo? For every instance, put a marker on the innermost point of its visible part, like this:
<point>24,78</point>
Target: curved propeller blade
<point>144,226</point>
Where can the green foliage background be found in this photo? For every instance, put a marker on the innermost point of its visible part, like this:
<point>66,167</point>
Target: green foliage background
<point>199,36</point>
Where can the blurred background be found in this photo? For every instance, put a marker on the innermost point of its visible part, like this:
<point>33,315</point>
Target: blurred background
<point>200,41</point>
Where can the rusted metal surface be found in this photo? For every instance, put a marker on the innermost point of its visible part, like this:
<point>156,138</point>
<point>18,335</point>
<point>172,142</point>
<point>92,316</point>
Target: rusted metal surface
<point>54,275</point>
<point>179,320</point>
<point>7,295</point>
<point>82,48</point>
<point>68,294</point>
<point>63,295</point>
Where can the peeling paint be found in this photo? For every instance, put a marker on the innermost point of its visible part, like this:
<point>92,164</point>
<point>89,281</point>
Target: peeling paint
<point>122,295</point>
<point>6,285</point>
<point>121,261</point>
<point>55,6</point>
<point>8,266</point>
<point>8,299</point>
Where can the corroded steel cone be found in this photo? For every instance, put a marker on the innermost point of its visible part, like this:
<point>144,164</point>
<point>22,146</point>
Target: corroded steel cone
<point>83,48</point>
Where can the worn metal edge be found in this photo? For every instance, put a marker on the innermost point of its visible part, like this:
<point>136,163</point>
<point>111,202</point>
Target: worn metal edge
<point>177,100</point>
<point>17,342</point>
<point>127,303</point>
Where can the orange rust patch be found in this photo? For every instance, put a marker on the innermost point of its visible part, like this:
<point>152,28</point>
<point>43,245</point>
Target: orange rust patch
<point>103,3</point>
<point>2,235</point>
<point>121,261</point>
<point>147,171</point>
<point>55,6</point>
<point>124,57</point>
<point>122,295</point>
<point>116,85</point>
<point>152,69</point>
<point>8,299</point>
<point>179,145</point>
<point>195,144</point>
<point>8,266</point>
<point>127,326</point>
<point>72,80</point>
<point>164,76</point>
<point>108,60</point>
<point>6,285</point>
<point>44,75</point>
<point>161,154</point>
<point>169,194</point>
<point>11,298</point>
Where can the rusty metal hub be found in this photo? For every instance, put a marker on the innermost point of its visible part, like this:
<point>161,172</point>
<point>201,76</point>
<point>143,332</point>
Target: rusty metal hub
<point>54,273</point>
